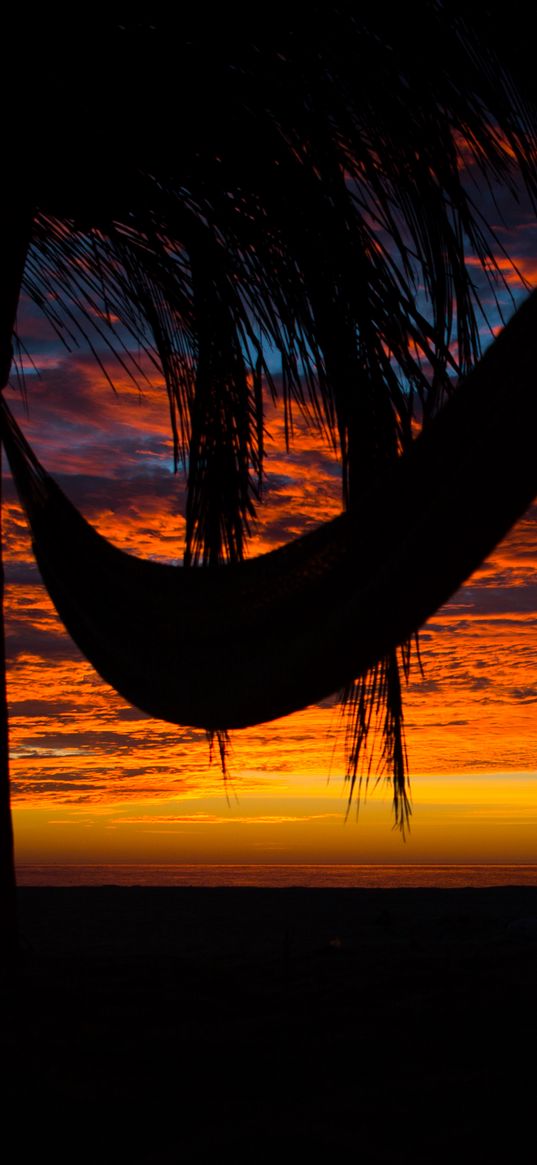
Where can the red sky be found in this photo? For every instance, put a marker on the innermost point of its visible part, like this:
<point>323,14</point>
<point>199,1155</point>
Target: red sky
<point>94,780</point>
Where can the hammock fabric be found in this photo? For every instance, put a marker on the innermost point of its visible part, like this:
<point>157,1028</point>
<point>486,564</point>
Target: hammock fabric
<point>231,646</point>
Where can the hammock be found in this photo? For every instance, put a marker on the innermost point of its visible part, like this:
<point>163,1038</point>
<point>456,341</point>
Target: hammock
<point>236,645</point>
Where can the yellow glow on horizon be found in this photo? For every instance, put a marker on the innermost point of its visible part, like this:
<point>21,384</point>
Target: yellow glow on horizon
<point>480,819</point>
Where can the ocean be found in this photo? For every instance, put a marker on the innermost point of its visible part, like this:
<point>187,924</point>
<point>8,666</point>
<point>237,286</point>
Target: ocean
<point>364,876</point>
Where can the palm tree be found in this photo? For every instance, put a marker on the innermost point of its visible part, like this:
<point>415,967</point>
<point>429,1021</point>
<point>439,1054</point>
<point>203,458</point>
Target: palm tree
<point>258,188</point>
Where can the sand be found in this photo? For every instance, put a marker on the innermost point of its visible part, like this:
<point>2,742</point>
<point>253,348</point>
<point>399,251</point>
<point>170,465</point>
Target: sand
<point>273,1025</point>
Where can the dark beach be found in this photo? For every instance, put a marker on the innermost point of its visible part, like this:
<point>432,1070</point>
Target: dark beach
<point>189,1024</point>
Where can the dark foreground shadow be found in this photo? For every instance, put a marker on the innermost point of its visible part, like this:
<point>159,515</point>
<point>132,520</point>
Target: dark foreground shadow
<point>190,1025</point>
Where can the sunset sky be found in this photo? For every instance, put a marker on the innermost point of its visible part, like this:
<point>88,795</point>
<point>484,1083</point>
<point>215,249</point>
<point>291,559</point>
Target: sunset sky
<point>95,781</point>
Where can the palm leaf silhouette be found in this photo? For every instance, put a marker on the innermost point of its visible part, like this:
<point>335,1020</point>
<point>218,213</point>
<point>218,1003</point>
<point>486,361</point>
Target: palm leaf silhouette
<point>273,188</point>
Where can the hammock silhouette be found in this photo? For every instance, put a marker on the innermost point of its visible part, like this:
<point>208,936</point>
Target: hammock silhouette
<point>231,646</point>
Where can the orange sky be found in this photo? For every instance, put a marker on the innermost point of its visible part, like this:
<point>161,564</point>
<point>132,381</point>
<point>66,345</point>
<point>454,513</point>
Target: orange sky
<point>94,780</point>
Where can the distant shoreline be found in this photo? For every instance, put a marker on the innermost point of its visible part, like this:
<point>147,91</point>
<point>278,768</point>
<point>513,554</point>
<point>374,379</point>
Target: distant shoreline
<point>243,922</point>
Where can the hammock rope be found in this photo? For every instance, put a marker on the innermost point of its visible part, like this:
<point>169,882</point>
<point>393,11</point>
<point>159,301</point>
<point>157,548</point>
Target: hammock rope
<point>231,646</point>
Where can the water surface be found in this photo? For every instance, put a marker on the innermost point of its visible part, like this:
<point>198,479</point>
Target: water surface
<point>364,876</point>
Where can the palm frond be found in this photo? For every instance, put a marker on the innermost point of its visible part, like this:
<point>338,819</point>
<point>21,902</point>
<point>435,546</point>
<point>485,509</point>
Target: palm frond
<point>304,190</point>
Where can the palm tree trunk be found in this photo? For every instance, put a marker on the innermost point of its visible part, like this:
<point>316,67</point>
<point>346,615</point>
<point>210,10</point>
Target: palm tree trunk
<point>8,907</point>
<point>13,249</point>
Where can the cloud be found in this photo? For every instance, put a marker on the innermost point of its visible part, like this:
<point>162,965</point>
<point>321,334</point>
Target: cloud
<point>205,819</point>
